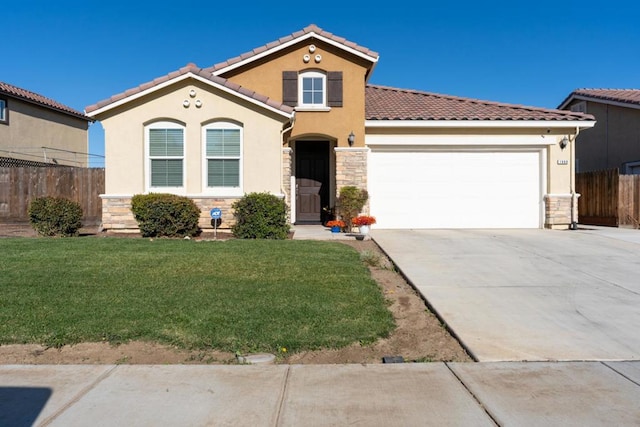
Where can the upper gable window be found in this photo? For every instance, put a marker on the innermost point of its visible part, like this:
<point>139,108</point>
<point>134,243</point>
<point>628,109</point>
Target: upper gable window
<point>312,88</point>
<point>4,114</point>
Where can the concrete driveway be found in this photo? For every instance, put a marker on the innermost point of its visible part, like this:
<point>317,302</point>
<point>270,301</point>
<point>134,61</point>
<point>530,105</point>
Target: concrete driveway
<point>513,295</point>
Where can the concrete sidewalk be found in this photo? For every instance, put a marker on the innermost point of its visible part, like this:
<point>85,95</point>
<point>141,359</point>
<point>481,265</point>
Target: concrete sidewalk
<point>523,394</point>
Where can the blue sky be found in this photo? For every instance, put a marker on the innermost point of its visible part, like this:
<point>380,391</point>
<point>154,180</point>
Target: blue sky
<point>530,53</point>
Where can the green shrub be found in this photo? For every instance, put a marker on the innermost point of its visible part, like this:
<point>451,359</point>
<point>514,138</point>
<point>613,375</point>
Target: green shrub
<point>168,215</point>
<point>55,216</point>
<point>350,202</point>
<point>260,216</point>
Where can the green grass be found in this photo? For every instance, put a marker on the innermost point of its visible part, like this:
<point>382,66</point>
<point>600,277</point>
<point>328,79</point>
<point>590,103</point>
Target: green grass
<point>237,295</point>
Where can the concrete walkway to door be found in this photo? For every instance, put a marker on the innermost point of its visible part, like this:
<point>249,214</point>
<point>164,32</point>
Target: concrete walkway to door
<point>535,295</point>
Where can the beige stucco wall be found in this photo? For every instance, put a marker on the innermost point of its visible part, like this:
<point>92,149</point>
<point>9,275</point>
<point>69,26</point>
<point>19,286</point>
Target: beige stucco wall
<point>613,141</point>
<point>336,124</point>
<point>124,138</point>
<point>32,127</point>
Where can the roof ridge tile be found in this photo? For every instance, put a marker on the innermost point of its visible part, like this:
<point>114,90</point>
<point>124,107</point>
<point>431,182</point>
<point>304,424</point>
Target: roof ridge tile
<point>312,28</point>
<point>201,72</point>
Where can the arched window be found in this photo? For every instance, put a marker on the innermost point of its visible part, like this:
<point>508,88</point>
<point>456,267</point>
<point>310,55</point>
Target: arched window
<point>222,158</point>
<point>164,148</point>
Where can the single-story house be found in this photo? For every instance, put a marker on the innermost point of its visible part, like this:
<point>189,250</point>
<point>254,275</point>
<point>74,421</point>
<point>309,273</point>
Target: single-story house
<point>297,118</point>
<point>39,131</point>
<point>614,142</point>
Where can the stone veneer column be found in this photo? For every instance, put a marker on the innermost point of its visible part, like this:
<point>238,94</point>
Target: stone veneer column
<point>286,174</point>
<point>558,210</point>
<point>351,169</point>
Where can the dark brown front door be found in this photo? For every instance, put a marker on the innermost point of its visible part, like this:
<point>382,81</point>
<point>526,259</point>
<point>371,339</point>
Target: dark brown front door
<point>312,180</point>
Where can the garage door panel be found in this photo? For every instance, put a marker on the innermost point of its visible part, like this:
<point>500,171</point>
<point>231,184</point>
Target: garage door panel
<point>455,189</point>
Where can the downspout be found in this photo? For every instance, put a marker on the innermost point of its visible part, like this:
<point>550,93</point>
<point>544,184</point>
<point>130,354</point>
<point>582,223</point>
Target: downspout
<point>572,185</point>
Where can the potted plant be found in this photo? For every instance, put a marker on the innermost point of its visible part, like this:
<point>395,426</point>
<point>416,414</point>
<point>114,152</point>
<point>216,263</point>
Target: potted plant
<point>364,223</point>
<point>336,225</point>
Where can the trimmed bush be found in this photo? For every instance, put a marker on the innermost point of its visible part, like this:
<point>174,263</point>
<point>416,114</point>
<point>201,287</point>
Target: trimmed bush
<point>350,202</point>
<point>260,216</point>
<point>55,216</point>
<point>165,215</point>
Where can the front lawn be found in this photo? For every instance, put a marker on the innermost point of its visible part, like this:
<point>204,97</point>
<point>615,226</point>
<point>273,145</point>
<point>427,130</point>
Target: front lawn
<point>236,295</point>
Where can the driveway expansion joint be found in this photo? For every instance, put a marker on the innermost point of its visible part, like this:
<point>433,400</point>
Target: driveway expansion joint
<point>78,396</point>
<point>283,396</point>
<point>620,373</point>
<point>472,394</point>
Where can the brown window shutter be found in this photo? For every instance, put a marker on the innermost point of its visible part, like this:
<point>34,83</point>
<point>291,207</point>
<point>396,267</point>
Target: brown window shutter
<point>334,88</point>
<point>290,88</point>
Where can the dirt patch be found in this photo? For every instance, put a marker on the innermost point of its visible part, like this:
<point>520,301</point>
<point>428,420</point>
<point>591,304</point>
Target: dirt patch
<point>419,335</point>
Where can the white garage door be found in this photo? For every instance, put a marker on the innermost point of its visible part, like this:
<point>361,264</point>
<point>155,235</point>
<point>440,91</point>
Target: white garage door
<point>456,189</point>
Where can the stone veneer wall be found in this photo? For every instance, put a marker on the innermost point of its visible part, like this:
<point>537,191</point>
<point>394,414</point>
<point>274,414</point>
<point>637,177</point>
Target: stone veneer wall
<point>558,210</point>
<point>117,215</point>
<point>351,169</point>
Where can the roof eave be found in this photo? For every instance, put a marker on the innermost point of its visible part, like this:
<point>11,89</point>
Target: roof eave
<point>77,115</point>
<point>291,42</point>
<point>177,79</point>
<point>481,124</point>
<point>579,97</point>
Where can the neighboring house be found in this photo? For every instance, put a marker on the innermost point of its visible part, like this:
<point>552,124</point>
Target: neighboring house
<point>297,118</point>
<point>614,141</point>
<point>38,131</point>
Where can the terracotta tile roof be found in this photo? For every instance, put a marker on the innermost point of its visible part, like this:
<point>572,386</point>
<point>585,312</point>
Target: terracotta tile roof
<point>387,103</point>
<point>43,101</point>
<point>274,44</point>
<point>627,96</point>
<point>192,68</point>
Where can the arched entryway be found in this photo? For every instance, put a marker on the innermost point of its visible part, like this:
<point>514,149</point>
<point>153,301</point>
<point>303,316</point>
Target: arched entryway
<point>313,180</point>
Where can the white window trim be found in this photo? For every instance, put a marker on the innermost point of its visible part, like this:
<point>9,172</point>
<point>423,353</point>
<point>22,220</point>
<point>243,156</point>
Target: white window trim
<point>312,74</point>
<point>147,158</point>
<point>221,191</point>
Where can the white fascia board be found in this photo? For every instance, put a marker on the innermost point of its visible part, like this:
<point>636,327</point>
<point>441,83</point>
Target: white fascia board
<point>178,79</point>
<point>290,43</point>
<point>599,101</point>
<point>484,124</point>
<point>462,144</point>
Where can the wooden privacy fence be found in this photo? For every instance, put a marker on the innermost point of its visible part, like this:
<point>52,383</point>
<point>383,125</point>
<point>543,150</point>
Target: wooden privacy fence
<point>608,198</point>
<point>18,186</point>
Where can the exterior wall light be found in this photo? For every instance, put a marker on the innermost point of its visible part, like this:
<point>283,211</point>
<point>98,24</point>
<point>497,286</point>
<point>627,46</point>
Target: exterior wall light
<point>351,139</point>
<point>564,142</point>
